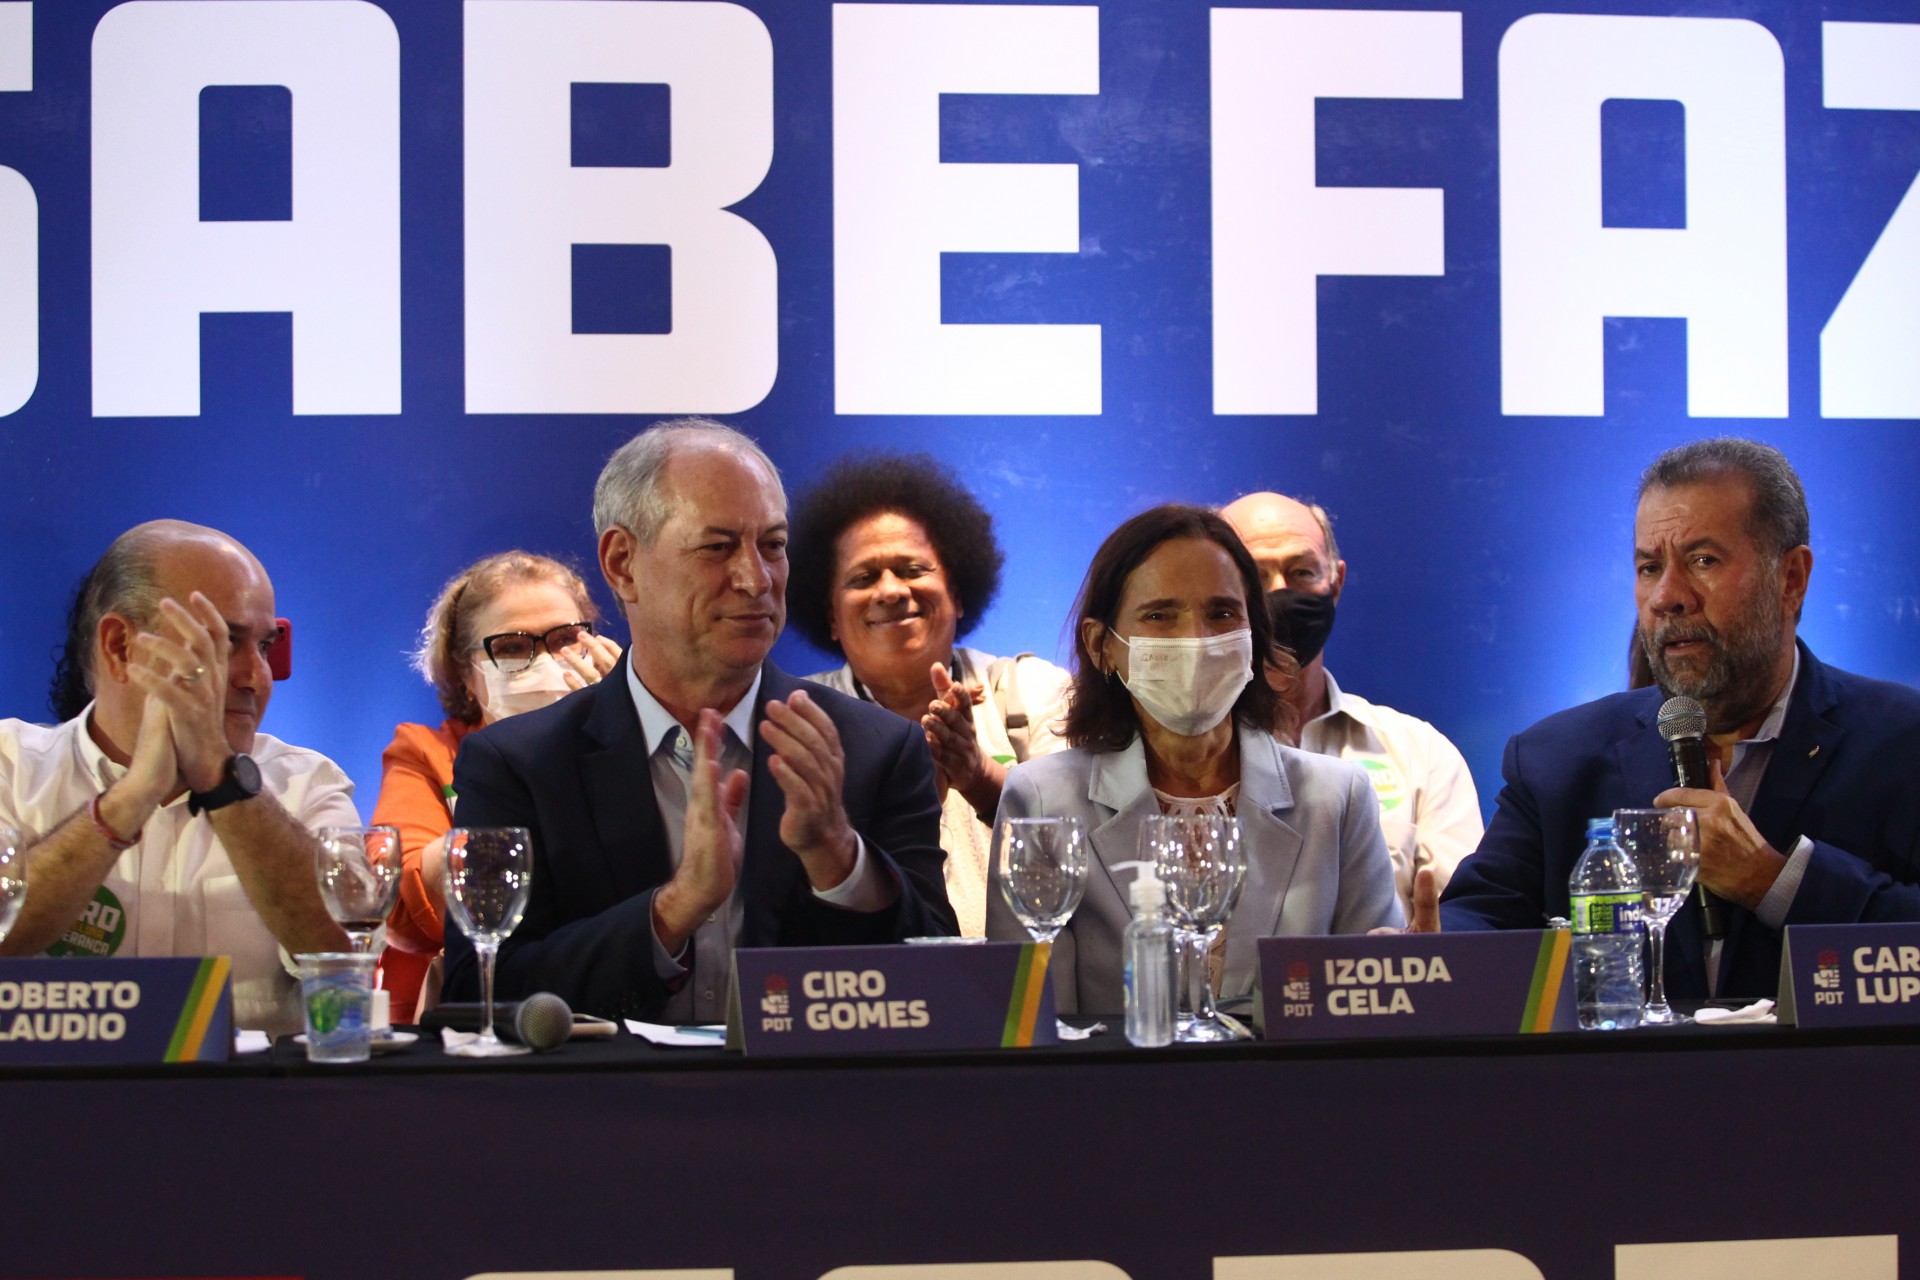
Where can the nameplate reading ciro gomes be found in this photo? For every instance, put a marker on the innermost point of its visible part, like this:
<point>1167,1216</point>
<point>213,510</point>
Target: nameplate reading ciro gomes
<point>814,1000</point>
<point>1850,975</point>
<point>1431,984</point>
<point>87,1012</point>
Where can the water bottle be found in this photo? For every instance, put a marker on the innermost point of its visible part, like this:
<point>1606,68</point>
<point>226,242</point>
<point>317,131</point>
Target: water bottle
<point>1609,937</point>
<point>1148,949</point>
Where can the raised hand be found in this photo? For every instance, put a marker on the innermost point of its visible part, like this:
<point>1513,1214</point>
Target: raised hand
<point>712,847</point>
<point>808,764</point>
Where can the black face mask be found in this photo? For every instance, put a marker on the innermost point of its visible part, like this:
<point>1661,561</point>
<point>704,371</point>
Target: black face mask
<point>1302,621</point>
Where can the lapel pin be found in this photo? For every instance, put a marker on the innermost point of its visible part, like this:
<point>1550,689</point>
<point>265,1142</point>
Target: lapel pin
<point>1816,751</point>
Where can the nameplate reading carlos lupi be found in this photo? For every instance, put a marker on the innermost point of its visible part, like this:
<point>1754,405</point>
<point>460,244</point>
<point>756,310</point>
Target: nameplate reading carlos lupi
<point>1418,984</point>
<point>811,1000</point>
<point>1850,975</point>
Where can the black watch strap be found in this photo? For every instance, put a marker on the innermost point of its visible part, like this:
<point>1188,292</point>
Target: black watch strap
<point>240,780</point>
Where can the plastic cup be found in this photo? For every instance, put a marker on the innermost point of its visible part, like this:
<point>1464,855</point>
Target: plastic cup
<point>336,990</point>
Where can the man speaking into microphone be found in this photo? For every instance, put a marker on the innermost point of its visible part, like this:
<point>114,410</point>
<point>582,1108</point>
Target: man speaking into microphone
<point>1810,814</point>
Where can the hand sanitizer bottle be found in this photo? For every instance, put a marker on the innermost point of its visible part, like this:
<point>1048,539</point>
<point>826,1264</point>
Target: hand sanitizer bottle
<point>1148,950</point>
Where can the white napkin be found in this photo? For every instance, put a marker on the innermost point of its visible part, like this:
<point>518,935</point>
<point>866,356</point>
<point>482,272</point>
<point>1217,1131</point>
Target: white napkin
<point>1079,1033</point>
<point>251,1042</point>
<point>1758,1011</point>
<point>698,1037</point>
<point>451,1039</point>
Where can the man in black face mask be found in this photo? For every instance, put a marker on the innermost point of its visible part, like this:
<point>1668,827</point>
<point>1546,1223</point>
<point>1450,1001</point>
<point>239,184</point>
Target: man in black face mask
<point>1429,809</point>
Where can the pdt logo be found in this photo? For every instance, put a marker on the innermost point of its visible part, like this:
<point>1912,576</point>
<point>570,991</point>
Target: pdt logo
<point>1826,978</point>
<point>776,1006</point>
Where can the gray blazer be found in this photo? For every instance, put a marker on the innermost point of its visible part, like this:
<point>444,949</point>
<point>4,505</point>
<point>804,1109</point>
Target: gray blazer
<point>1316,861</point>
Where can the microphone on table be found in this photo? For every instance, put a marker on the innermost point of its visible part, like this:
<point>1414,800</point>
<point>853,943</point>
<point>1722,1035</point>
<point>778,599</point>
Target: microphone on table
<point>541,1022</point>
<point>1683,724</point>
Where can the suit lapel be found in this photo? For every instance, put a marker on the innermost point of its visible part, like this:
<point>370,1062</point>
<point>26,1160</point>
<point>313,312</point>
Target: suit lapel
<point>1806,745</point>
<point>1118,786</point>
<point>1273,856</point>
<point>614,773</point>
<point>768,871</point>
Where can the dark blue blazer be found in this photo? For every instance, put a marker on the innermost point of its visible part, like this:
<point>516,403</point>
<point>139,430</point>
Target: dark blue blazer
<point>576,774</point>
<point>1839,774</point>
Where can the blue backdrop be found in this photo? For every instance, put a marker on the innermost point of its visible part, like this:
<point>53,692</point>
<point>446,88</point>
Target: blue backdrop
<point>1489,554</point>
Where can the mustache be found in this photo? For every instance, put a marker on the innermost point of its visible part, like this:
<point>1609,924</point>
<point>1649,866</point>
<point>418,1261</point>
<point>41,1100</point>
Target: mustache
<point>1676,630</point>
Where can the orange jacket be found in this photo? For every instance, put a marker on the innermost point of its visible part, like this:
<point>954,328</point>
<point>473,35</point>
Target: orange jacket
<point>416,777</point>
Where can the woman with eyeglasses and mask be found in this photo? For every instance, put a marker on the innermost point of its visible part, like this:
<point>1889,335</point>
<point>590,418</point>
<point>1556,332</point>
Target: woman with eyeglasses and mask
<point>1168,714</point>
<point>511,633</point>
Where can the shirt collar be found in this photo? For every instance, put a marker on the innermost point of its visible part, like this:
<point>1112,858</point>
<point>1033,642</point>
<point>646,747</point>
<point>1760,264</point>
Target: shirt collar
<point>93,760</point>
<point>657,724</point>
<point>1341,704</point>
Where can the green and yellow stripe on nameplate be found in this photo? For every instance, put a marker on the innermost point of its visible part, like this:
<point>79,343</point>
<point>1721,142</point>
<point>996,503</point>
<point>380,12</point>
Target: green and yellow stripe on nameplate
<point>1029,982</point>
<point>1549,979</point>
<point>196,1012</point>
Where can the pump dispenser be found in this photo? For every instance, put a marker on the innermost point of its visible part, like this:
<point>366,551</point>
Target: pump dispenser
<point>1148,949</point>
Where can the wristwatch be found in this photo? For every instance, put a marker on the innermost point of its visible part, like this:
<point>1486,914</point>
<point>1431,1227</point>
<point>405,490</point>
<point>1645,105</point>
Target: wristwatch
<point>240,780</point>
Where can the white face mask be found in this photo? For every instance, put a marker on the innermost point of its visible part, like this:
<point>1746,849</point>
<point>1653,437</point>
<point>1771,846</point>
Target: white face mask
<point>1189,683</point>
<point>509,695</point>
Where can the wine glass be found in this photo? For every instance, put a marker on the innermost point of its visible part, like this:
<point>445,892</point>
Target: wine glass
<point>359,872</point>
<point>489,874</point>
<point>13,877</point>
<point>1204,867</point>
<point>1043,871</point>
<point>1665,846</point>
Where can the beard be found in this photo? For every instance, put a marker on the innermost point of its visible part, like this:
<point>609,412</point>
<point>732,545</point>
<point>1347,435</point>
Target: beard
<point>1735,684</point>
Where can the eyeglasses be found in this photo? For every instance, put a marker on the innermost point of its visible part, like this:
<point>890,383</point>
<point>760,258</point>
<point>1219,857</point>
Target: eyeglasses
<point>512,651</point>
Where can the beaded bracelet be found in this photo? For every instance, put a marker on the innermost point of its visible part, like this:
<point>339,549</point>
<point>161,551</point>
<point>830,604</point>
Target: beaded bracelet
<point>106,832</point>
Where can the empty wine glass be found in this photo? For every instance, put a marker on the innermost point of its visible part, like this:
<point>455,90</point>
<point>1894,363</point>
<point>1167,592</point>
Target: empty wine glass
<point>359,872</point>
<point>1204,867</point>
<point>489,874</point>
<point>1043,871</point>
<point>13,877</point>
<point>1665,845</point>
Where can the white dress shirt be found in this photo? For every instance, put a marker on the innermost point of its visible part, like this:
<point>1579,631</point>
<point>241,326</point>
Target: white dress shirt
<point>1429,809</point>
<point>175,892</point>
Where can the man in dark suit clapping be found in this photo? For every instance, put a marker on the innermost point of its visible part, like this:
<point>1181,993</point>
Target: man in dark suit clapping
<point>698,798</point>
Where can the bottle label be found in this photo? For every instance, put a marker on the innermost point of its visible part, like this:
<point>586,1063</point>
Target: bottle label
<point>1607,913</point>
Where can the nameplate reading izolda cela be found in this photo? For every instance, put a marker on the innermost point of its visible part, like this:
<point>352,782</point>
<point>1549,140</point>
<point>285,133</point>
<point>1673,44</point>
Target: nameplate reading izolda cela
<point>1850,975</point>
<point>814,1000</point>
<point>1416,984</point>
<point>99,1012</point>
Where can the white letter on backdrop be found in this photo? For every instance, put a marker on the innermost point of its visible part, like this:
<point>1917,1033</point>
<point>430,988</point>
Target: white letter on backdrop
<point>1562,273</point>
<point>19,230</point>
<point>527,206</point>
<point>1274,231</point>
<point>335,265</point>
<point>1870,349</point>
<point>896,208</point>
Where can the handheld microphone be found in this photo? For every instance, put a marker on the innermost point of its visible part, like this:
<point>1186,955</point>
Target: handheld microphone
<point>1683,724</point>
<point>541,1022</point>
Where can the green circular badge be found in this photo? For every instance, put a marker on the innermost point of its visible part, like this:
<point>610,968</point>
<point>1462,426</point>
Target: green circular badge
<point>99,931</point>
<point>1388,785</point>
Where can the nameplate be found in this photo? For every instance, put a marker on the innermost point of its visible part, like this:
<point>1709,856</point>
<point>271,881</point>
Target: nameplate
<point>99,1012</point>
<point>1850,975</point>
<point>1421,984</point>
<point>812,1000</point>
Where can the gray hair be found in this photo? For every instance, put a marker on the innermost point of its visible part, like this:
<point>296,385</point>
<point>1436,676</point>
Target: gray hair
<point>628,491</point>
<point>1326,531</point>
<point>1777,520</point>
<point>122,581</point>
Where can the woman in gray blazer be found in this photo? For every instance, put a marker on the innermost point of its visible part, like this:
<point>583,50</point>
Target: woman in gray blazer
<point>1170,712</point>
